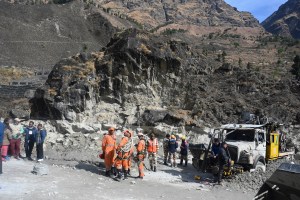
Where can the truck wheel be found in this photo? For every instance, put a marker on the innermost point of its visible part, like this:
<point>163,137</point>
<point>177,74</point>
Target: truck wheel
<point>260,167</point>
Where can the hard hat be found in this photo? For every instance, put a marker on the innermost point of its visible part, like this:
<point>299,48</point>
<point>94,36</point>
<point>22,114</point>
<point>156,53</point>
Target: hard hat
<point>111,129</point>
<point>183,137</point>
<point>17,119</point>
<point>173,137</point>
<point>140,134</point>
<point>128,131</point>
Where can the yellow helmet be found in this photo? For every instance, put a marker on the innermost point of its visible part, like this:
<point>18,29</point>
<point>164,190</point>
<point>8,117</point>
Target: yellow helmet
<point>173,137</point>
<point>183,137</point>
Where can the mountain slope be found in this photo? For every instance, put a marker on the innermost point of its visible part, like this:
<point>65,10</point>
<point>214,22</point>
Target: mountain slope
<point>38,36</point>
<point>159,12</point>
<point>285,21</point>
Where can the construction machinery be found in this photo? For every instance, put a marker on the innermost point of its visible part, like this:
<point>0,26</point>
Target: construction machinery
<point>284,184</point>
<point>250,146</point>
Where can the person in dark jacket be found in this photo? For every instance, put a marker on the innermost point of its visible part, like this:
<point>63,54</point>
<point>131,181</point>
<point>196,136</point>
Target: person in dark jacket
<point>39,139</point>
<point>215,151</point>
<point>166,148</point>
<point>1,142</point>
<point>184,147</point>
<point>173,145</point>
<point>224,158</point>
<point>30,133</point>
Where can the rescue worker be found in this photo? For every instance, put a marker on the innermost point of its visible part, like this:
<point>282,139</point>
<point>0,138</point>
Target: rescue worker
<point>215,151</point>
<point>184,147</point>
<point>123,155</point>
<point>152,148</point>
<point>166,148</point>
<point>173,145</point>
<point>109,148</point>
<point>224,159</point>
<point>141,146</point>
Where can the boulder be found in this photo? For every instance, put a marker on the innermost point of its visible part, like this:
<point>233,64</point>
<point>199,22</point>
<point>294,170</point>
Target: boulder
<point>40,169</point>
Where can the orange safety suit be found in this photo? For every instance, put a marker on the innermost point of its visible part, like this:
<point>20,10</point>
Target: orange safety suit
<point>108,148</point>
<point>141,155</point>
<point>153,146</point>
<point>122,159</point>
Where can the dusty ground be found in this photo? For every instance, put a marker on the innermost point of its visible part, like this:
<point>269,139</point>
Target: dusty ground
<point>82,181</point>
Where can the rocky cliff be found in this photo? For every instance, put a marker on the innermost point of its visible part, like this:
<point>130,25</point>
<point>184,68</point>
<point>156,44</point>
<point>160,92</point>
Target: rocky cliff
<point>285,21</point>
<point>171,81</point>
<point>157,13</point>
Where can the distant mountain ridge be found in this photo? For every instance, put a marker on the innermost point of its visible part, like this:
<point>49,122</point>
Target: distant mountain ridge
<point>285,21</point>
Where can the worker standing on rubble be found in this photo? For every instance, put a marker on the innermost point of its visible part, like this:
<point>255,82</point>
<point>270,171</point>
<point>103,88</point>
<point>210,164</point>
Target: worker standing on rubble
<point>141,148</point>
<point>173,145</point>
<point>184,151</point>
<point>152,148</point>
<point>224,159</point>
<point>109,148</point>
<point>123,154</point>
<point>166,148</point>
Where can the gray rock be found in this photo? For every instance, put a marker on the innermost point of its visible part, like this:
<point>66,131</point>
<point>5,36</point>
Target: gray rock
<point>40,169</point>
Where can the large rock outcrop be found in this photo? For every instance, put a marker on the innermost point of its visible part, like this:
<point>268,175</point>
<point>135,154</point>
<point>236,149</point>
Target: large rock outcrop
<point>285,21</point>
<point>158,74</point>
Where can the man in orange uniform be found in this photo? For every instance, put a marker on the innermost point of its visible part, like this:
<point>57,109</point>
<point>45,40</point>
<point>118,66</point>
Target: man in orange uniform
<point>141,154</point>
<point>123,154</point>
<point>152,148</point>
<point>108,148</point>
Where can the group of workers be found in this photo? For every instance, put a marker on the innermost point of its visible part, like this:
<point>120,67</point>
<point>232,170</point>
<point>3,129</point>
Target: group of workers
<point>118,157</point>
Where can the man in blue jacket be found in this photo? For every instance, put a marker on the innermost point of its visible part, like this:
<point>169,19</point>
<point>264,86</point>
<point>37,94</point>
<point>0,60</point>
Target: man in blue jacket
<point>1,140</point>
<point>30,133</point>
<point>173,145</point>
<point>39,139</point>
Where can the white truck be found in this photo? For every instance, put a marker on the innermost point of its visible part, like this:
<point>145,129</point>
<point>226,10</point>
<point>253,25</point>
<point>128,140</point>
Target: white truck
<point>247,144</point>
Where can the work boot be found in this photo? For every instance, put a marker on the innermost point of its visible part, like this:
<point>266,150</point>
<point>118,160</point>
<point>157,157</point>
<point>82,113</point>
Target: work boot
<point>119,174</point>
<point>151,168</point>
<point>128,172</point>
<point>107,173</point>
<point>125,175</point>
<point>154,169</point>
<point>114,171</point>
<point>165,162</point>
<point>185,164</point>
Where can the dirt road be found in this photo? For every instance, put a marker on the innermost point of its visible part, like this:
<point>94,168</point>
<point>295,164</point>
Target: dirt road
<point>82,181</point>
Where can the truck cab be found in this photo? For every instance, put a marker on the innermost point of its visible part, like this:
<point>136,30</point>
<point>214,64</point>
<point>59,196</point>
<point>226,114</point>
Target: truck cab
<point>247,144</point>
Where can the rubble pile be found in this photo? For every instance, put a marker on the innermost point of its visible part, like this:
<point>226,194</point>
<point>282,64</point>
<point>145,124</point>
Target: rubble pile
<point>252,181</point>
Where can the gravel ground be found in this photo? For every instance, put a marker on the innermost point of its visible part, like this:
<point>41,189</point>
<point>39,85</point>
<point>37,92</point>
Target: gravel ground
<point>71,180</point>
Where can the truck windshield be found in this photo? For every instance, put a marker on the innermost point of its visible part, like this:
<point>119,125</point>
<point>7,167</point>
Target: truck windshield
<point>240,135</point>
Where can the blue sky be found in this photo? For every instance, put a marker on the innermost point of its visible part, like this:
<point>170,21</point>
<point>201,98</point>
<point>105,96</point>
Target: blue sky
<point>261,9</point>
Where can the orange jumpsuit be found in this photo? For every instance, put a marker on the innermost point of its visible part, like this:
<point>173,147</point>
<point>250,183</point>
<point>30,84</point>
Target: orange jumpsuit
<point>109,147</point>
<point>141,155</point>
<point>122,159</point>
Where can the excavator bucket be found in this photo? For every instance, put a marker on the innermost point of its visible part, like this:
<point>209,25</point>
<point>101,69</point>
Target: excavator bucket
<point>284,184</point>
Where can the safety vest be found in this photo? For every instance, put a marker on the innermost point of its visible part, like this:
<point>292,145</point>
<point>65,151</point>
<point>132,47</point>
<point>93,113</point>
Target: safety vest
<point>153,146</point>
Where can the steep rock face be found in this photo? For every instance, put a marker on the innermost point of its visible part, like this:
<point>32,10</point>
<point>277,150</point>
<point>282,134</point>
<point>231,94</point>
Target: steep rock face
<point>134,69</point>
<point>158,74</point>
<point>285,21</point>
<point>156,13</point>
